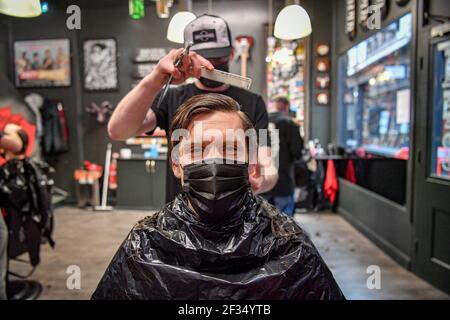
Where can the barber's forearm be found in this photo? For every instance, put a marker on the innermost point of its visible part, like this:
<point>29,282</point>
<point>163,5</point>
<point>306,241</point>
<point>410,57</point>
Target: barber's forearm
<point>129,115</point>
<point>269,181</point>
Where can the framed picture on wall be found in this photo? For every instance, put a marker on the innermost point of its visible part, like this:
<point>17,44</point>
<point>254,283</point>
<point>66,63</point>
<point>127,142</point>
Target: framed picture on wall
<point>323,98</point>
<point>322,64</point>
<point>100,64</point>
<point>42,63</point>
<point>323,81</point>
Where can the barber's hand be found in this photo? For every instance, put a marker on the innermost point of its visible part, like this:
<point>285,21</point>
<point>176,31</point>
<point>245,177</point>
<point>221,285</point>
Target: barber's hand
<point>191,66</point>
<point>256,179</point>
<point>263,175</point>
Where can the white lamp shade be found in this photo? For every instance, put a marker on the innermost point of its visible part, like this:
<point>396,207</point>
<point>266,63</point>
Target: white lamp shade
<point>292,23</point>
<point>21,8</point>
<point>175,32</point>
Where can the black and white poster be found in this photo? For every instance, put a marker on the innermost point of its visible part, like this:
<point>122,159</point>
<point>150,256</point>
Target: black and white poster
<point>100,64</point>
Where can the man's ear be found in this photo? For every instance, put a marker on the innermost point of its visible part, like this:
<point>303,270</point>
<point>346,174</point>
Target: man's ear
<point>252,169</point>
<point>176,168</point>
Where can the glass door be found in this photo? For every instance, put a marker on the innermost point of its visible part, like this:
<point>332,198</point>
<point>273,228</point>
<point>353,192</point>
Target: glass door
<point>431,207</point>
<point>440,136</point>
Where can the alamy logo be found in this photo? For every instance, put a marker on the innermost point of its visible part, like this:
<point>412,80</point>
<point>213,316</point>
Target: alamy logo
<point>73,281</point>
<point>374,280</point>
<point>74,20</point>
<point>374,18</point>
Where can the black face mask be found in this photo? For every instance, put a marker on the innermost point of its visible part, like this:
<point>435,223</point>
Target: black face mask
<point>216,190</point>
<point>212,83</point>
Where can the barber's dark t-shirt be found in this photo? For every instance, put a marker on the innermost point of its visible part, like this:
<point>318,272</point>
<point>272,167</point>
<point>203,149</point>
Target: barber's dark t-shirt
<point>251,104</point>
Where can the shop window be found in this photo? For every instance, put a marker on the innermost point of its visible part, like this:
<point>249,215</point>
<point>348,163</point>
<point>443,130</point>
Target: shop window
<point>440,138</point>
<point>374,92</point>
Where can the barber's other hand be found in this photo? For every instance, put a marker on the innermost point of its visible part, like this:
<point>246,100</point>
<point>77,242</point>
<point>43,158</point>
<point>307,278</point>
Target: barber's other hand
<point>191,66</point>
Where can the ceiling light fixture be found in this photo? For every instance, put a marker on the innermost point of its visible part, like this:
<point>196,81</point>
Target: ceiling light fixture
<point>292,23</point>
<point>21,8</point>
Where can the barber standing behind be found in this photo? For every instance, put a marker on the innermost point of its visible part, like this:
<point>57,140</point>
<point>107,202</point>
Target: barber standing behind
<point>212,48</point>
<point>291,146</point>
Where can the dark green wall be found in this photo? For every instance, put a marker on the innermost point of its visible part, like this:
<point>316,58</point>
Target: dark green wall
<point>321,20</point>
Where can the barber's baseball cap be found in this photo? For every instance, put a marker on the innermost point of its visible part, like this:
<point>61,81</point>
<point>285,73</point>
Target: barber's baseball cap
<point>210,36</point>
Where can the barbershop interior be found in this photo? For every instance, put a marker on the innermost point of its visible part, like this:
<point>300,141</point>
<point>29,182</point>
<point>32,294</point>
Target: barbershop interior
<point>344,192</point>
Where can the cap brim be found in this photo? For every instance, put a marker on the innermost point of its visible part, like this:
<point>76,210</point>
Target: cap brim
<point>214,52</point>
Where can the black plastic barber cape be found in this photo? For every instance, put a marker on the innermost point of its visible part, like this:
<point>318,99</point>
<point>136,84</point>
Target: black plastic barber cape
<point>259,254</point>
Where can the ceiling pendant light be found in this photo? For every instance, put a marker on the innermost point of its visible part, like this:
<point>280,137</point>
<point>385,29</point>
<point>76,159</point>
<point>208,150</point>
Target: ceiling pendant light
<point>21,8</point>
<point>292,23</point>
<point>175,32</point>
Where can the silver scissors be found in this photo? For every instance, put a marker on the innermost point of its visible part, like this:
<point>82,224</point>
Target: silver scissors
<point>177,64</point>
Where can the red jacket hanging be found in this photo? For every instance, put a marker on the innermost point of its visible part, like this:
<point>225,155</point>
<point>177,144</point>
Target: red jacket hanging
<point>350,172</point>
<point>331,182</point>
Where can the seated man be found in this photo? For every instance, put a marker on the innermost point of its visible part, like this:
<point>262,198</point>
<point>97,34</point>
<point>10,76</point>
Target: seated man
<point>216,239</point>
<point>13,142</point>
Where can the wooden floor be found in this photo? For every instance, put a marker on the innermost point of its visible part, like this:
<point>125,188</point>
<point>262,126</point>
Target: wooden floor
<point>89,240</point>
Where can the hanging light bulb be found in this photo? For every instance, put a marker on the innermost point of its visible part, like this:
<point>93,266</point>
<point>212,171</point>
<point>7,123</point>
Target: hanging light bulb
<point>21,8</point>
<point>292,23</point>
<point>137,9</point>
<point>175,32</point>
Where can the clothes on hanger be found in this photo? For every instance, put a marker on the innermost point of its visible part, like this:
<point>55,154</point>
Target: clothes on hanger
<point>25,196</point>
<point>35,101</point>
<point>55,131</point>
